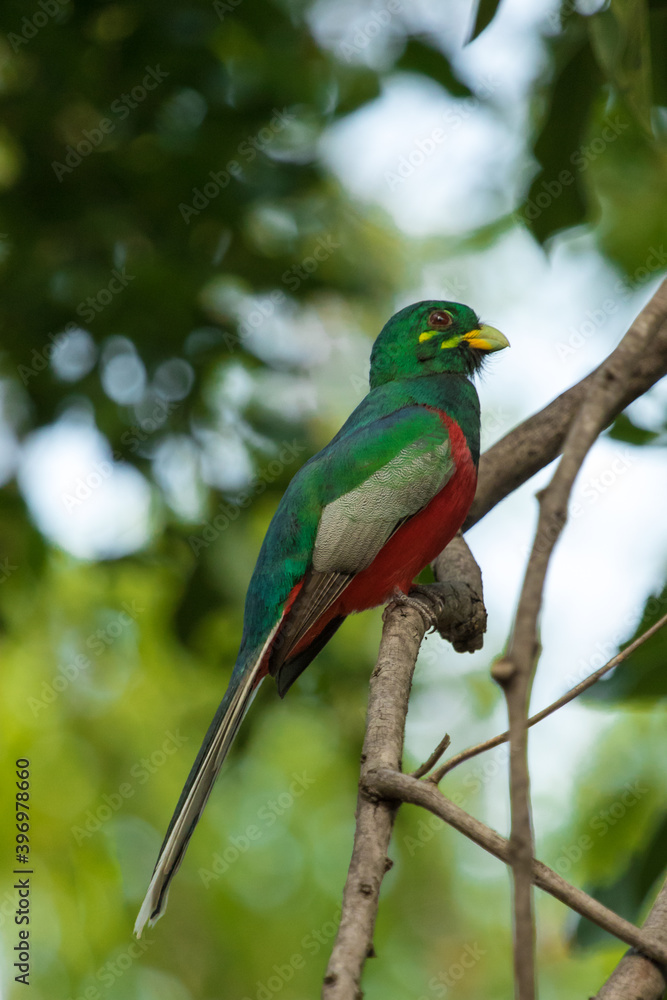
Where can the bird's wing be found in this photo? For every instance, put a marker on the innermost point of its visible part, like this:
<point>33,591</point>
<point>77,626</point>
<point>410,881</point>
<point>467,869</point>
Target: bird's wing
<point>356,524</point>
<point>366,484</point>
<point>338,512</point>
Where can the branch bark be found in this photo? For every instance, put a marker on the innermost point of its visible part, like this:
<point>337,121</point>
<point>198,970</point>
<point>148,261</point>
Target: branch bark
<point>437,776</point>
<point>403,631</point>
<point>506,466</point>
<point>650,940</point>
<point>607,391</point>
<point>382,787</point>
<point>456,608</point>
<point>459,582</point>
<point>636,975</point>
<point>539,439</point>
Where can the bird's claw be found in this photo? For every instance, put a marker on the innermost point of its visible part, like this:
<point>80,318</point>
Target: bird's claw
<point>421,598</point>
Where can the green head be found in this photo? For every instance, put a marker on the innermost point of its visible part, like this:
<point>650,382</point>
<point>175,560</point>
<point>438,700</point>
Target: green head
<point>429,338</point>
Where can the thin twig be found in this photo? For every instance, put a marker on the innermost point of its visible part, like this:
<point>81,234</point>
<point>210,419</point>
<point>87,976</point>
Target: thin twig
<point>508,464</point>
<point>437,776</point>
<point>394,785</point>
<point>516,672</point>
<point>433,759</point>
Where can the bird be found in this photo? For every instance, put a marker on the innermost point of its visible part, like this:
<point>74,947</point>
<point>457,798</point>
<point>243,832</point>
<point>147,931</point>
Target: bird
<point>355,526</point>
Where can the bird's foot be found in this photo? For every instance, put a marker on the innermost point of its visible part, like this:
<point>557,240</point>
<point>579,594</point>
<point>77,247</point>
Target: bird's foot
<point>422,599</point>
<point>452,609</point>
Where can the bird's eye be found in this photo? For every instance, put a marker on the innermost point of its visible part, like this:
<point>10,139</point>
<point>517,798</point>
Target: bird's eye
<point>440,319</point>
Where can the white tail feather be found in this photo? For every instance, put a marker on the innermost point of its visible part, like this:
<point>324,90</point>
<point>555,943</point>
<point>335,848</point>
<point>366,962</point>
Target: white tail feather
<point>201,783</point>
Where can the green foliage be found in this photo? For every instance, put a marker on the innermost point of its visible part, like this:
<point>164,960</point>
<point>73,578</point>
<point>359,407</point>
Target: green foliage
<point>562,192</point>
<point>642,677</point>
<point>161,180</point>
<point>421,58</point>
<point>485,13</point>
<point>623,429</point>
<point>602,143</point>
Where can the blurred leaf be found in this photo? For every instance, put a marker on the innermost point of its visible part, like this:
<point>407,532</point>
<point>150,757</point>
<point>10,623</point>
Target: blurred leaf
<point>642,676</point>
<point>629,184</point>
<point>658,29</point>
<point>208,190</point>
<point>621,42</point>
<point>419,57</point>
<point>623,429</point>
<point>653,860</point>
<point>556,199</point>
<point>628,894</point>
<point>486,11</point>
<point>355,89</point>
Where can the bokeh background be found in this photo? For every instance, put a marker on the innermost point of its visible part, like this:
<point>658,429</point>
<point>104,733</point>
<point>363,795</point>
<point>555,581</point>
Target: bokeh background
<point>208,212</point>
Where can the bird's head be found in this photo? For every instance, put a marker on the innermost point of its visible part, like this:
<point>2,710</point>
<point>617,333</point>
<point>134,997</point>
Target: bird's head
<point>432,337</point>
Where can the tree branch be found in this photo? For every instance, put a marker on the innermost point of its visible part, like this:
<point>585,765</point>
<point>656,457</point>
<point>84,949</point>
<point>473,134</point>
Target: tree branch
<point>437,776</point>
<point>515,673</point>
<point>394,785</point>
<point>511,462</point>
<point>636,975</point>
<point>459,583</point>
<point>405,623</point>
<point>432,758</point>
<point>403,631</point>
<point>539,439</point>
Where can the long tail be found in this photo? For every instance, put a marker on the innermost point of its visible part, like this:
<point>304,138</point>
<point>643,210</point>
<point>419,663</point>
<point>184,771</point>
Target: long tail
<point>198,787</point>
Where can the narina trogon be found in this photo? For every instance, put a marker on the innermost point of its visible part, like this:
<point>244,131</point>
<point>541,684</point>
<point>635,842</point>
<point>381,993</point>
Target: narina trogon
<point>356,525</point>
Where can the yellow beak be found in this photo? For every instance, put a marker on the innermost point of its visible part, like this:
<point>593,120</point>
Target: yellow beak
<point>487,338</point>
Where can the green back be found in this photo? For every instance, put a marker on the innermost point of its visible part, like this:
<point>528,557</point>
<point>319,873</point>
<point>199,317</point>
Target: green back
<point>416,369</point>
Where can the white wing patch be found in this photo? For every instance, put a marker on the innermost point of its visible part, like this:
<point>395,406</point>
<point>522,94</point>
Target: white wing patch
<point>354,527</point>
